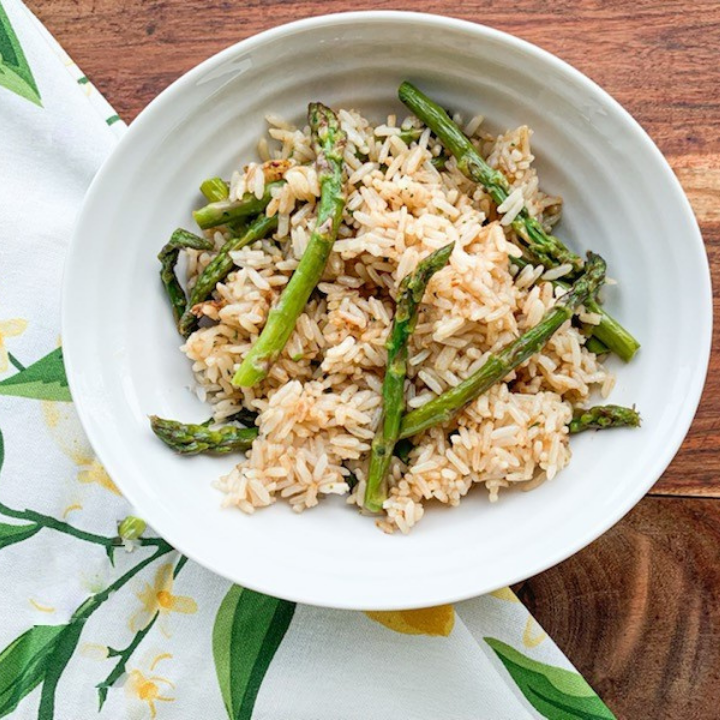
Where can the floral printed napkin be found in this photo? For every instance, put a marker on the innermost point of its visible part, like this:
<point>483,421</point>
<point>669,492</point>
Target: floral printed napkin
<point>99,617</point>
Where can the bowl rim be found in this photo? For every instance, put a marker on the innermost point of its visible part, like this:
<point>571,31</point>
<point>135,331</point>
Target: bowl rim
<point>703,288</point>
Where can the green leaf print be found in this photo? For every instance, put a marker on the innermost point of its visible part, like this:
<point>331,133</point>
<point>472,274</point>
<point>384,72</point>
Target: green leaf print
<point>15,73</point>
<point>557,694</point>
<point>43,380</point>
<point>65,645</point>
<point>11,534</point>
<point>24,663</point>
<point>249,628</point>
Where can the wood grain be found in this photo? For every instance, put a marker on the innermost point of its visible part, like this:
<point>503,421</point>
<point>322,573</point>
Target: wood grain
<point>657,58</point>
<point>696,468</point>
<point>660,59</point>
<point>639,610</point>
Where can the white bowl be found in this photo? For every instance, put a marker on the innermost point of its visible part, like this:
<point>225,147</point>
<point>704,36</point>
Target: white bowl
<point>621,199</point>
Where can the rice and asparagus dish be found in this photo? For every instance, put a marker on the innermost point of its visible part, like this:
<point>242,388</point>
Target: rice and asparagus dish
<point>381,311</point>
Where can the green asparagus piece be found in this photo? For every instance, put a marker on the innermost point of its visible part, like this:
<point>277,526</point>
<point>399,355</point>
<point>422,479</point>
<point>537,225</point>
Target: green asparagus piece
<point>168,256</point>
<point>220,266</point>
<point>596,346</point>
<point>215,189</point>
<point>443,408</point>
<point>412,290</point>
<point>223,212</point>
<point>403,448</point>
<point>244,416</point>
<point>329,143</point>
<point>542,247</point>
<point>410,135</point>
<point>601,417</point>
<point>189,439</point>
<point>609,334</point>
<point>439,162</point>
<point>351,480</point>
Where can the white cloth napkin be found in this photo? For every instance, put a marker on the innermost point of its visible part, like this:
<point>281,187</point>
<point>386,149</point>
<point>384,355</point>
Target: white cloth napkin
<point>159,636</point>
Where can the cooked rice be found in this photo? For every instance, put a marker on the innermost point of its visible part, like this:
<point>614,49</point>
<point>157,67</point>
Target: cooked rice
<point>320,405</point>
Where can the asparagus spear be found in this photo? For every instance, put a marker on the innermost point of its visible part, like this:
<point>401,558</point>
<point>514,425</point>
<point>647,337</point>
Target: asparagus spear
<point>215,189</point>
<point>168,258</point>
<point>329,142</point>
<point>609,334</point>
<point>189,439</point>
<point>442,408</point>
<point>412,289</point>
<point>220,266</point>
<point>223,212</point>
<point>603,416</point>
<point>543,248</point>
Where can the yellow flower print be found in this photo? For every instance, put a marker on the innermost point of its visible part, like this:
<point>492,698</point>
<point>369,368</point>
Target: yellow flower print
<point>533,634</point>
<point>40,607</point>
<point>61,600</point>
<point>505,594</point>
<point>159,598</point>
<point>71,508</point>
<point>148,688</point>
<point>94,472</point>
<point>93,651</point>
<point>9,328</point>
<point>64,426</point>
<point>433,621</point>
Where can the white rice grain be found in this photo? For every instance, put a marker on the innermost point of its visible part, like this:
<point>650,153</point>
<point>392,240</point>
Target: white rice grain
<point>320,405</point>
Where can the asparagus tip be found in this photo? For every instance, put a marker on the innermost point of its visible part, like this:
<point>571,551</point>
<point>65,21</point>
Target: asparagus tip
<point>406,88</point>
<point>603,417</point>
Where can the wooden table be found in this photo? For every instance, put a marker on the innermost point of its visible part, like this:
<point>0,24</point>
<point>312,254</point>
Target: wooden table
<point>638,611</point>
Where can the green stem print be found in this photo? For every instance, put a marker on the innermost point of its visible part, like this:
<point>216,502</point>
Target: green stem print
<point>23,664</point>
<point>65,646</point>
<point>68,639</point>
<point>40,655</point>
<point>557,694</point>
<point>15,73</point>
<point>126,653</point>
<point>249,628</point>
<point>15,362</point>
<point>40,521</point>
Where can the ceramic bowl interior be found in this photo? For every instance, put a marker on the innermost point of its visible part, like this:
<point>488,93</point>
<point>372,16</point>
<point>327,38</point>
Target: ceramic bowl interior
<point>621,199</point>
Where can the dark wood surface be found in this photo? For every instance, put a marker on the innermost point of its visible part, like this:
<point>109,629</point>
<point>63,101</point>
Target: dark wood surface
<point>639,610</point>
